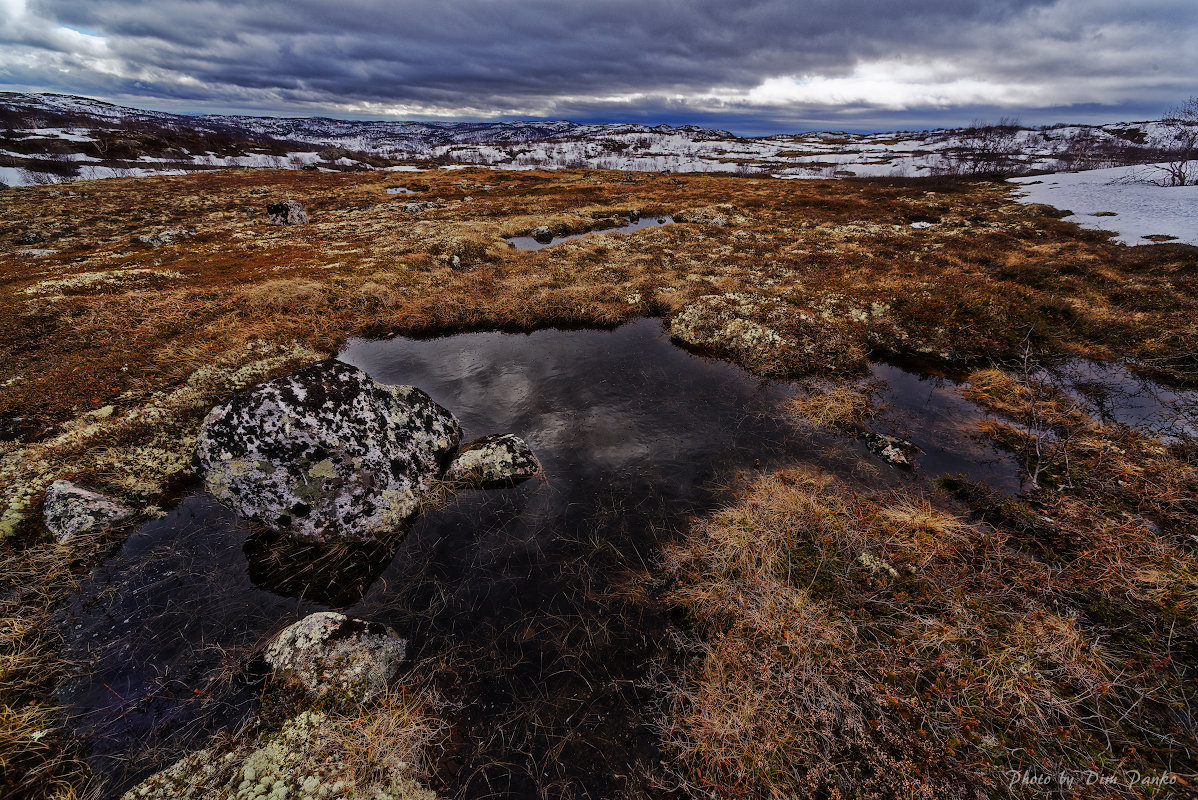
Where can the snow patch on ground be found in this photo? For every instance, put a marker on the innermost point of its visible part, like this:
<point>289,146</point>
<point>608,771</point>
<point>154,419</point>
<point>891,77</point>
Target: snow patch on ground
<point>1140,208</point>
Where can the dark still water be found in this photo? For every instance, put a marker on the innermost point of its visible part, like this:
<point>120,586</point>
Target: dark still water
<point>531,609</point>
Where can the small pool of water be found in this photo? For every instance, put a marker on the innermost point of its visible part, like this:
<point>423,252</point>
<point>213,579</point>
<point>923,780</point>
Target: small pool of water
<point>532,605</point>
<point>399,190</point>
<point>1114,394</point>
<point>649,221</point>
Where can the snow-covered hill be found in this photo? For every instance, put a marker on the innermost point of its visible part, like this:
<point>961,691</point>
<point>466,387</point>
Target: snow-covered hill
<point>58,137</point>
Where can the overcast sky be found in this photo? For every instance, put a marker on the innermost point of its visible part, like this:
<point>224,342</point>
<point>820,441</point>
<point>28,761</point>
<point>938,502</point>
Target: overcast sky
<point>751,67</point>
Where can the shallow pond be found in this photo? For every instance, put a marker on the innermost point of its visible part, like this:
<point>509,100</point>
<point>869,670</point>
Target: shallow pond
<point>530,606</point>
<point>633,224</point>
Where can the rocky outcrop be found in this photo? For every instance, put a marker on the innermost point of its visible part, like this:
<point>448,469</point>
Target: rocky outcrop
<point>543,234</point>
<point>326,454</point>
<point>29,237</point>
<point>329,652</point>
<point>496,460</point>
<point>288,212</point>
<point>157,240</point>
<point>71,510</point>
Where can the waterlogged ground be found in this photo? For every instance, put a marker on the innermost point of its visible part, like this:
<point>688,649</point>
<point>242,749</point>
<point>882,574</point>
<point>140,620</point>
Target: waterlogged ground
<point>529,243</point>
<point>532,608</point>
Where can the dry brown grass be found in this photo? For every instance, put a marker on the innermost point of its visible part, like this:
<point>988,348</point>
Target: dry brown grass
<point>856,646</point>
<point>838,406</point>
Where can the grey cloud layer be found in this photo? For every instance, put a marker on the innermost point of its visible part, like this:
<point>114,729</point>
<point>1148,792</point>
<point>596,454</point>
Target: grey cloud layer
<point>545,57</point>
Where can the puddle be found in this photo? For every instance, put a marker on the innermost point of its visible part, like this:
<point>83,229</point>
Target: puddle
<point>1114,394</point>
<point>634,224</point>
<point>529,605</point>
<point>930,412</point>
<point>399,190</point>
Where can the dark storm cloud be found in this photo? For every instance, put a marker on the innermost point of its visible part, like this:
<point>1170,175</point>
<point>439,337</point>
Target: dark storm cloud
<point>849,59</point>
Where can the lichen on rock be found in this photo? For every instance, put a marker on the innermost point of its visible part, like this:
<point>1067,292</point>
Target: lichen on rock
<point>326,453</point>
<point>71,510</point>
<point>306,760</point>
<point>328,652</point>
<point>494,461</point>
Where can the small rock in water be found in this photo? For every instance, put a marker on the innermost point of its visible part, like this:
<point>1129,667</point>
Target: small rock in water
<point>543,234</point>
<point>329,652</point>
<point>494,460</point>
<point>166,237</point>
<point>288,212</point>
<point>896,451</point>
<point>71,510</point>
<point>326,454</point>
<point>30,237</point>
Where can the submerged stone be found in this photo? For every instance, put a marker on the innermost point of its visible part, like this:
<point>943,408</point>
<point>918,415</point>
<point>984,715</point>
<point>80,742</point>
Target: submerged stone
<point>71,510</point>
<point>494,460</point>
<point>329,652</point>
<point>288,212</point>
<point>892,449</point>
<point>326,454</point>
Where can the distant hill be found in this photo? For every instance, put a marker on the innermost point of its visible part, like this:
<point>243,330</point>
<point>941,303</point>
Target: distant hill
<point>52,137</point>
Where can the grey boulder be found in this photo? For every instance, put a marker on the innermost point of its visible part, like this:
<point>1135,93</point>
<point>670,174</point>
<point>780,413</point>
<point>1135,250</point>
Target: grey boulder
<point>329,652</point>
<point>493,460</point>
<point>288,212</point>
<point>543,234</point>
<point>71,510</point>
<point>326,454</point>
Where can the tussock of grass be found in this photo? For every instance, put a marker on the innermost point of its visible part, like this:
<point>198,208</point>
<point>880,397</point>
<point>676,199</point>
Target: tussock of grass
<point>839,406</point>
<point>876,646</point>
<point>286,295</point>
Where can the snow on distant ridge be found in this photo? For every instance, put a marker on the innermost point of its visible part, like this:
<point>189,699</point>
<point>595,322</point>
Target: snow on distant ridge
<point>1140,208</point>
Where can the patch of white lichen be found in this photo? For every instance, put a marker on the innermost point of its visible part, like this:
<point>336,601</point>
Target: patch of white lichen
<point>96,280</point>
<point>306,760</point>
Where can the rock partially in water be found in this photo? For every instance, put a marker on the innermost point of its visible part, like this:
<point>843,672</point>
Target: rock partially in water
<point>329,652</point>
<point>307,759</point>
<point>543,234</point>
<point>326,454</point>
<point>71,510</point>
<point>288,212</point>
<point>157,240</point>
<point>892,449</point>
<point>496,460</point>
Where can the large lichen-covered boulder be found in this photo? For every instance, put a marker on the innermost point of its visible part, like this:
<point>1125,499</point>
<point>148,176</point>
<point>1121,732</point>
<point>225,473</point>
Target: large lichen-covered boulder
<point>71,510</point>
<point>494,460</point>
<point>330,653</point>
<point>313,757</point>
<point>326,453</point>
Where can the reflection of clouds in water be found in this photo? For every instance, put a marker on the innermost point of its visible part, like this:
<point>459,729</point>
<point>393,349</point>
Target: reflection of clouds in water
<point>1114,393</point>
<point>932,413</point>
